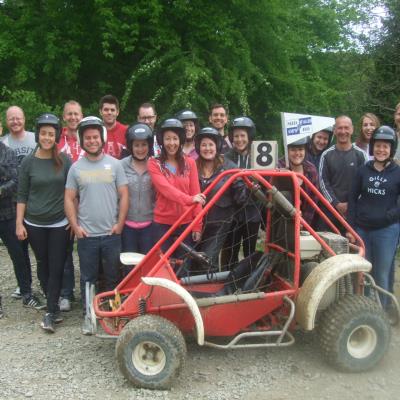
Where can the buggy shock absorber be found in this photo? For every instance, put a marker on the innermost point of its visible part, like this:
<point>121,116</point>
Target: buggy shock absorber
<point>142,306</point>
<point>280,199</point>
<point>143,302</point>
<point>277,197</point>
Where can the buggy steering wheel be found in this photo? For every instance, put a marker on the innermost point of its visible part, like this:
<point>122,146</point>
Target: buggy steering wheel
<point>201,257</point>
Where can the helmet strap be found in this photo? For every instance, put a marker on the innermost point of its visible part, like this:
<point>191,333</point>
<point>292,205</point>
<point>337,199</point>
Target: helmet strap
<point>139,159</point>
<point>384,163</point>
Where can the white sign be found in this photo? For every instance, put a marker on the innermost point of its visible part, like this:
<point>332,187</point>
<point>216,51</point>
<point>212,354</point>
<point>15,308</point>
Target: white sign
<point>298,126</point>
<point>264,154</point>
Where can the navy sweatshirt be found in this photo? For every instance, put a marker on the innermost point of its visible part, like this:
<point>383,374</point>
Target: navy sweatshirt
<point>373,198</point>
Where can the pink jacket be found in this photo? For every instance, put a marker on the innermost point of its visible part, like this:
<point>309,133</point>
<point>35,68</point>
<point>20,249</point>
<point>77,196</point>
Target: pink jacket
<point>174,193</point>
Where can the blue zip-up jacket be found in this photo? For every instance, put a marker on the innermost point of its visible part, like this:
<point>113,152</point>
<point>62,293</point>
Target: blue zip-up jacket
<point>373,198</point>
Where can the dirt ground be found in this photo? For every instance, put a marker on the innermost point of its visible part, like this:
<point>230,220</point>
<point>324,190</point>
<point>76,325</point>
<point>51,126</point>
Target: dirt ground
<point>68,365</point>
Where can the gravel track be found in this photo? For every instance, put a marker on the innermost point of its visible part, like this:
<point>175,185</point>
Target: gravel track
<point>68,365</point>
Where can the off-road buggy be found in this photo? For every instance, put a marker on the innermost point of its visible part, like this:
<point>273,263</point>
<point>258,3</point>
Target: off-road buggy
<point>301,279</point>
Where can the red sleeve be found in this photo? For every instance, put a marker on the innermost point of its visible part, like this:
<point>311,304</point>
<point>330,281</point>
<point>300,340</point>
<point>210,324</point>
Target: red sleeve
<point>163,186</point>
<point>121,134</point>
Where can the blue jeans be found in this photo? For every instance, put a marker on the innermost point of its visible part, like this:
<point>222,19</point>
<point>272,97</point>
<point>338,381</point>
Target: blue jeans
<point>380,250</point>
<point>93,250</point>
<point>137,240</point>
<point>17,251</point>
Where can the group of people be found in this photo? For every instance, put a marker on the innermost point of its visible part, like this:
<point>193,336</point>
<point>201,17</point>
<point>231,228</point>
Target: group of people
<point>361,181</point>
<point>114,188</point>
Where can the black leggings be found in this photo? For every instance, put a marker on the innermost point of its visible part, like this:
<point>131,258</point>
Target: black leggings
<point>50,248</point>
<point>245,233</point>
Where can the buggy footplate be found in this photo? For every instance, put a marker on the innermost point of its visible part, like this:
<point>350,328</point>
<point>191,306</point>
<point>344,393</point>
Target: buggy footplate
<point>283,336</point>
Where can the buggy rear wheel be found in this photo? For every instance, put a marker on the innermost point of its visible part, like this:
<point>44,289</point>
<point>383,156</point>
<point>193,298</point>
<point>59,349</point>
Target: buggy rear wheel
<point>150,352</point>
<point>354,334</point>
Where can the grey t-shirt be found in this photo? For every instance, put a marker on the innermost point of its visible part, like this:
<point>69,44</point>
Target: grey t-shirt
<point>23,147</point>
<point>97,183</point>
<point>141,193</point>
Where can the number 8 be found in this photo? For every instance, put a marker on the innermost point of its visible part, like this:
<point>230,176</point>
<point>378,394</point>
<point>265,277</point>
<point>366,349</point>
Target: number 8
<point>264,157</point>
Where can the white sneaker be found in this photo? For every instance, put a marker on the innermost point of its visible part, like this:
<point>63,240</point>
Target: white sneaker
<point>65,304</point>
<point>16,294</point>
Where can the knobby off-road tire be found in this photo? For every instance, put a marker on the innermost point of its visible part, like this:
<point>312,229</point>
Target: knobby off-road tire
<point>354,333</point>
<point>150,352</point>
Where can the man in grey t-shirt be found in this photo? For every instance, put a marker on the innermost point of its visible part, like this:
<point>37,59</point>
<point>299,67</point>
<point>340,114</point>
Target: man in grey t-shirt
<point>98,180</point>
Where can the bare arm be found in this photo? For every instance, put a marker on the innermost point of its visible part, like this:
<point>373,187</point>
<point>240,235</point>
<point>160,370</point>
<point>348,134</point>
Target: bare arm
<point>20,230</point>
<point>71,213</point>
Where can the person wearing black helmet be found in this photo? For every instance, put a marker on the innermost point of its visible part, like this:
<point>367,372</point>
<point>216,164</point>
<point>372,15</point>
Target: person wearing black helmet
<point>137,235</point>
<point>319,142</point>
<point>247,222</point>
<point>210,165</point>
<point>99,181</point>
<point>298,163</point>
<point>175,178</point>
<point>40,211</point>
<point>373,208</point>
<point>396,117</point>
<point>191,124</point>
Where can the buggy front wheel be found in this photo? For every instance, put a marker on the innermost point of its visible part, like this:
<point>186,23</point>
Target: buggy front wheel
<point>150,352</point>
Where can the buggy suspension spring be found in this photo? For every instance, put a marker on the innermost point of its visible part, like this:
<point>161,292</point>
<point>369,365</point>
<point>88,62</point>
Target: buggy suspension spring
<point>341,288</point>
<point>344,286</point>
<point>142,306</point>
<point>349,284</point>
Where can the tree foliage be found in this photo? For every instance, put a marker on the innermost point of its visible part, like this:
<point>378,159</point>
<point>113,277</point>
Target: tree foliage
<point>259,57</point>
<point>384,88</point>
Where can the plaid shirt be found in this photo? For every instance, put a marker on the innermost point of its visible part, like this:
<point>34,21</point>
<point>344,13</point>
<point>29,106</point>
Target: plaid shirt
<point>8,182</point>
<point>310,172</point>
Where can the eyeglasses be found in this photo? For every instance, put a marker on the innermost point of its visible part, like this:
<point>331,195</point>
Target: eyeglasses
<point>14,119</point>
<point>147,118</point>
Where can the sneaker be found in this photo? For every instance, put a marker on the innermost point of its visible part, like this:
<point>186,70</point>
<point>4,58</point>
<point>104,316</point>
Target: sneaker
<point>65,304</point>
<point>16,294</point>
<point>33,302</point>
<point>1,310</point>
<point>57,318</point>
<point>48,323</point>
<point>87,328</point>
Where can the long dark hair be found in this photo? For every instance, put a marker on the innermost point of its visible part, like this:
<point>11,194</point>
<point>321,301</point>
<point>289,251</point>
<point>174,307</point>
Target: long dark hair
<point>217,162</point>
<point>55,153</point>
<point>58,161</point>
<point>179,156</point>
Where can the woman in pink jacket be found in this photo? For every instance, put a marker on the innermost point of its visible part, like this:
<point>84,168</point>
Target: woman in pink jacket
<point>176,183</point>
